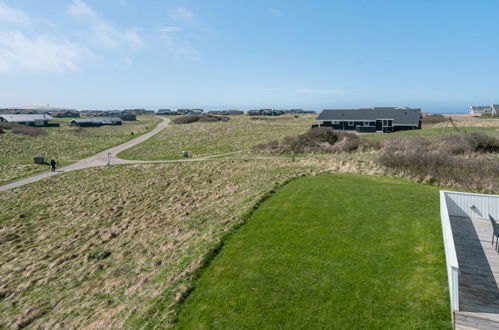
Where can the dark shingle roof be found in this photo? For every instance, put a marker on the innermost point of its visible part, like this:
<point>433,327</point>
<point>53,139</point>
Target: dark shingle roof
<point>400,116</point>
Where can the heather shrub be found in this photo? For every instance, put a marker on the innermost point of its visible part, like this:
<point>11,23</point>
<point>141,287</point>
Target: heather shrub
<point>449,160</point>
<point>316,140</point>
<point>23,129</point>
<point>484,142</point>
<point>198,118</point>
<point>434,119</point>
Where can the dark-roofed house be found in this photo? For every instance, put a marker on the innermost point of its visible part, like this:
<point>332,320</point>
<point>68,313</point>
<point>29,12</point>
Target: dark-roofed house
<point>65,114</point>
<point>29,120</point>
<point>96,122</point>
<point>384,119</point>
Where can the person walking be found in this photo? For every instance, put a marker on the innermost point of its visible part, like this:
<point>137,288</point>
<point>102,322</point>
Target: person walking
<point>52,165</point>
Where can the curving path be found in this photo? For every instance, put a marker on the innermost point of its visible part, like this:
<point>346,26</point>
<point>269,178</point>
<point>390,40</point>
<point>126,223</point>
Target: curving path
<point>101,159</point>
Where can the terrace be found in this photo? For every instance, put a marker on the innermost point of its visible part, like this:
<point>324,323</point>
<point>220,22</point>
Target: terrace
<point>472,262</point>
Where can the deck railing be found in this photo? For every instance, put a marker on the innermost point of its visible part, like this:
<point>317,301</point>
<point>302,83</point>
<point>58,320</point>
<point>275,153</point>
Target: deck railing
<point>450,255</point>
<point>458,204</point>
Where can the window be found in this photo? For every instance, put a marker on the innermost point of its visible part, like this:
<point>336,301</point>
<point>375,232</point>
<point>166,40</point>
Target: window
<point>366,123</point>
<point>335,122</point>
<point>350,123</point>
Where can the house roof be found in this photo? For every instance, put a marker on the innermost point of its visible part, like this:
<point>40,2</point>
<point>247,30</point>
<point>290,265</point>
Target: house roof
<point>400,116</point>
<point>98,120</point>
<point>25,118</point>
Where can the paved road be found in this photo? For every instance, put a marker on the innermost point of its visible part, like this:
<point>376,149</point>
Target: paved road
<point>100,159</point>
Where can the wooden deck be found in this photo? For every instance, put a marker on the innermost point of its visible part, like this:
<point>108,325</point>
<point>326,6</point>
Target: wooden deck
<point>479,274</point>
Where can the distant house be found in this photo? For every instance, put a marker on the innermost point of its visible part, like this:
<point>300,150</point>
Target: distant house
<point>138,112</point>
<point>183,111</point>
<point>479,110</point>
<point>96,122</point>
<point>196,111</point>
<point>127,116</point>
<point>265,112</point>
<point>166,112</point>
<point>226,112</point>
<point>65,114</point>
<point>39,120</point>
<point>384,120</point>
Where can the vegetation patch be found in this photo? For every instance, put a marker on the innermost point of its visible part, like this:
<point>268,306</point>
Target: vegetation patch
<point>199,118</point>
<point>470,160</point>
<point>239,134</point>
<point>312,256</point>
<point>22,129</point>
<point>66,144</point>
<point>126,253</point>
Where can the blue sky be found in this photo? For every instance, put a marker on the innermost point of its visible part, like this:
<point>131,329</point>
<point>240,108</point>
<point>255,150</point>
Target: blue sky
<point>89,54</point>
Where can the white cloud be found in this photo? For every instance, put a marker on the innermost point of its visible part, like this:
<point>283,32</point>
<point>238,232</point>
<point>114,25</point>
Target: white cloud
<point>176,45</point>
<point>319,91</point>
<point>104,34</point>
<point>80,8</point>
<point>182,14</point>
<point>39,53</point>
<point>13,16</point>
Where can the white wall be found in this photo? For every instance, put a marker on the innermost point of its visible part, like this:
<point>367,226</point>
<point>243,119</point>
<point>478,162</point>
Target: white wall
<point>460,205</point>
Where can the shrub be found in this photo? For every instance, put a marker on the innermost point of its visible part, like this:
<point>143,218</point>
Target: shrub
<point>22,129</point>
<point>201,118</point>
<point>318,139</point>
<point>486,143</point>
<point>450,160</point>
<point>434,119</point>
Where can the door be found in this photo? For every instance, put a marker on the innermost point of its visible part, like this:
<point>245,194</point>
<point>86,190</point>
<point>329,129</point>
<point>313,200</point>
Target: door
<point>379,125</point>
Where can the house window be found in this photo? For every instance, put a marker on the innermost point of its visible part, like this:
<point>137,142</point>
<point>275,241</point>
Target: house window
<point>350,123</point>
<point>366,123</point>
<point>335,122</point>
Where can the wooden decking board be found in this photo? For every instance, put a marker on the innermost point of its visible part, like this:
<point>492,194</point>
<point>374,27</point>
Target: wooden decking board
<point>479,274</point>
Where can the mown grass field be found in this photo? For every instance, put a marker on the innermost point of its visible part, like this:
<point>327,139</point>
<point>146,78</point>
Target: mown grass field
<point>66,144</point>
<point>330,252</point>
<point>240,133</point>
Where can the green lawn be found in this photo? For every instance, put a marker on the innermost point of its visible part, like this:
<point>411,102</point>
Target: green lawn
<point>331,251</point>
<point>432,131</point>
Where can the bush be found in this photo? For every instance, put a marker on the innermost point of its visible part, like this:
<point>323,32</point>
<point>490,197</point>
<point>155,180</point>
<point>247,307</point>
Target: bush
<point>318,139</point>
<point>23,129</point>
<point>485,143</point>
<point>198,118</point>
<point>434,119</point>
<point>449,160</point>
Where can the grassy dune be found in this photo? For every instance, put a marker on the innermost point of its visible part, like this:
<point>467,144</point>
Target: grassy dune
<point>434,130</point>
<point>240,133</point>
<point>330,252</point>
<point>118,246</point>
<point>66,144</point>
